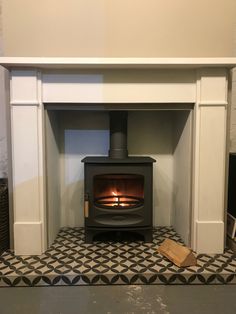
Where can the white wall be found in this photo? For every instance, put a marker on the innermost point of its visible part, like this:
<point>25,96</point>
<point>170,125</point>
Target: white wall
<point>53,177</point>
<point>150,134</point>
<point>125,28</point>
<point>182,155</point>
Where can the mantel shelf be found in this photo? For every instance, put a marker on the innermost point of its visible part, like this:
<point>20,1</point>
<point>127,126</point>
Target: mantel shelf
<point>112,63</point>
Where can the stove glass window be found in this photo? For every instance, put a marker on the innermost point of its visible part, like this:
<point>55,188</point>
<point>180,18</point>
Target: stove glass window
<point>118,191</point>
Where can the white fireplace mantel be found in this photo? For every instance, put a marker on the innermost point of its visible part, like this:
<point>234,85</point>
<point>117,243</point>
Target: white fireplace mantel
<point>202,82</point>
<point>108,63</point>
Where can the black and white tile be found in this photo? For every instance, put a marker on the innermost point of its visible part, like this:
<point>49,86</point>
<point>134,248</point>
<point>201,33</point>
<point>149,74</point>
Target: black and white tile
<point>69,261</point>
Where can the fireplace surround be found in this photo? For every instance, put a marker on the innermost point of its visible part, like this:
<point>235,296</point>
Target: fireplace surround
<point>199,85</point>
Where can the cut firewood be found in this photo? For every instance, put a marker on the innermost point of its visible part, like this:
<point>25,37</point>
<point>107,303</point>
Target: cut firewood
<point>177,253</point>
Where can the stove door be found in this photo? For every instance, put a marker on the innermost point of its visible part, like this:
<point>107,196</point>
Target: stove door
<point>118,196</point>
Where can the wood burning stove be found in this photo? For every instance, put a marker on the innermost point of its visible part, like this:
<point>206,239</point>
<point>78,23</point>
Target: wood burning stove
<point>118,188</point>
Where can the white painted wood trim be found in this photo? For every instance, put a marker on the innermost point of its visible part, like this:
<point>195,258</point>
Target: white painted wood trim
<point>210,103</point>
<point>209,163</point>
<point>42,163</point>
<point>75,63</point>
<point>108,87</point>
<point>23,87</point>
<point>28,238</point>
<point>210,237</point>
<point>28,163</point>
<point>24,103</point>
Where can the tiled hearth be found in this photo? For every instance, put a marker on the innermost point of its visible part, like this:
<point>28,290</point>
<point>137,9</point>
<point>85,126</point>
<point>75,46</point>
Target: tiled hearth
<point>69,261</point>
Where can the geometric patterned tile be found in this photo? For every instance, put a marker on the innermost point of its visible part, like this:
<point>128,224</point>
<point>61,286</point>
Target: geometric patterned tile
<point>69,261</point>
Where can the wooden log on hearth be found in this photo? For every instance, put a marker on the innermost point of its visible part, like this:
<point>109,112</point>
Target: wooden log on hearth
<point>177,253</point>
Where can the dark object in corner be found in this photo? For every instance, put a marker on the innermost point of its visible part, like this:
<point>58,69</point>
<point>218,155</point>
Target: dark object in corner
<point>4,216</point>
<point>232,185</point>
<point>231,206</point>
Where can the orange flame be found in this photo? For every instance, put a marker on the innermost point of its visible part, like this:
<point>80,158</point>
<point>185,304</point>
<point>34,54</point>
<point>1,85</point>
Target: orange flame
<point>116,199</point>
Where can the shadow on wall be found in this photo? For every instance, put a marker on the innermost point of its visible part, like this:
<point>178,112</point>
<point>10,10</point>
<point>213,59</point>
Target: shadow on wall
<point>180,121</point>
<point>150,132</point>
<point>72,204</point>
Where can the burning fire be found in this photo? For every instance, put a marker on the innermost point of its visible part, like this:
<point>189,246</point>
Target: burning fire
<point>117,201</point>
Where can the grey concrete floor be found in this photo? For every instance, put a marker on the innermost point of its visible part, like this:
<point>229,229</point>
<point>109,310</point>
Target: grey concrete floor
<point>119,299</point>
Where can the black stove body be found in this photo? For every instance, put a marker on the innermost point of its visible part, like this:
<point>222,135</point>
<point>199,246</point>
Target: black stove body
<point>118,189</point>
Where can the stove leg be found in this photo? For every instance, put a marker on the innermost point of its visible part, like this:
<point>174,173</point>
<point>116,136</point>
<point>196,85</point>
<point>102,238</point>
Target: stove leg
<point>147,236</point>
<point>89,236</point>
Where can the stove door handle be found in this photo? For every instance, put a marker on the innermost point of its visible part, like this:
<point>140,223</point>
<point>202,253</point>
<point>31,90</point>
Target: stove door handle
<point>86,205</point>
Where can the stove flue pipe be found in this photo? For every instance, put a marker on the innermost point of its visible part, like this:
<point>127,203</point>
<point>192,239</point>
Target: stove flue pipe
<point>118,134</point>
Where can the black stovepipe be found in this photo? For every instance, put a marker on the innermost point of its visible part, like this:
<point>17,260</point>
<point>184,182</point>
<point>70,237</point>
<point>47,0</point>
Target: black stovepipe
<point>118,134</point>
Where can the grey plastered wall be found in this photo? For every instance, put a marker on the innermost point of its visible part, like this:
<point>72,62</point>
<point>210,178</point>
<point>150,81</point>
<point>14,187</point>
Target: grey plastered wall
<point>232,144</point>
<point>233,114</point>
<point>3,126</point>
<point>112,28</point>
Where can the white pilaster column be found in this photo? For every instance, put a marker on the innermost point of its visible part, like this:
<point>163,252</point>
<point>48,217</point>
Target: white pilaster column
<point>209,161</point>
<point>27,162</point>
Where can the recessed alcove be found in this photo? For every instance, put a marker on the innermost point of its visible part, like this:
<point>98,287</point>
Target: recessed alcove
<point>165,135</point>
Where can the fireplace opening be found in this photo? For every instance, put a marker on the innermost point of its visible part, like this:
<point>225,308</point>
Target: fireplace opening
<point>163,135</point>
